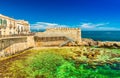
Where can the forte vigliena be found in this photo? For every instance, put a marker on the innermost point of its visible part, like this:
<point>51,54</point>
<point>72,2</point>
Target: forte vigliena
<point>15,36</point>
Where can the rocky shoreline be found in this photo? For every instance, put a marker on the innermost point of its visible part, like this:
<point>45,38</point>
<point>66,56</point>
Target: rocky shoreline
<point>95,57</point>
<point>107,44</point>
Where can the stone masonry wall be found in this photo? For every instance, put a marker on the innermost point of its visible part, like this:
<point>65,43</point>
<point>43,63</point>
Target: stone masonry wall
<point>74,33</point>
<point>48,43</point>
<point>9,46</point>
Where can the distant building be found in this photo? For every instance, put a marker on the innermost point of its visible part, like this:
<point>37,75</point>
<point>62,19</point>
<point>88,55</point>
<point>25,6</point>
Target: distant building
<point>10,26</point>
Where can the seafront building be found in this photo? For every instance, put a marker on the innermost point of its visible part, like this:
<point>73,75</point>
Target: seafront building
<point>10,26</point>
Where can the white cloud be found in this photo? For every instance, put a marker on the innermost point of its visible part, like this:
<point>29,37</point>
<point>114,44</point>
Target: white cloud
<point>109,28</point>
<point>91,25</point>
<point>99,27</point>
<point>44,25</point>
<point>83,26</point>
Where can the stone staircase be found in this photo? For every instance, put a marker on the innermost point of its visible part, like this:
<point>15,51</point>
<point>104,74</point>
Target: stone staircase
<point>58,37</point>
<point>68,40</point>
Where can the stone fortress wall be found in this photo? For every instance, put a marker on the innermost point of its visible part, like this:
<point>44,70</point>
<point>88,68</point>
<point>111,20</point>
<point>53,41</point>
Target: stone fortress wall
<point>13,45</point>
<point>74,33</point>
<point>54,36</point>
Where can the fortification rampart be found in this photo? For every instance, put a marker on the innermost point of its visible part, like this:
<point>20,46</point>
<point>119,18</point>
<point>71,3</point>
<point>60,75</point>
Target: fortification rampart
<point>55,36</point>
<point>12,45</point>
<point>74,33</point>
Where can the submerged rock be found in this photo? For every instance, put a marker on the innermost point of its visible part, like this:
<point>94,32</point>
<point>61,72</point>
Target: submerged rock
<point>95,55</point>
<point>115,66</point>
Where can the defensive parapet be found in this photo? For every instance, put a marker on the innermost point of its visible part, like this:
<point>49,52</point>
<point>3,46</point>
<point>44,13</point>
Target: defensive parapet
<point>74,33</point>
<point>69,33</point>
<point>13,45</point>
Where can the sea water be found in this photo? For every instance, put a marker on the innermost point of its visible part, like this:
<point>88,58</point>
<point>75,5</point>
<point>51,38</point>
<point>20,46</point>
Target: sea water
<point>102,35</point>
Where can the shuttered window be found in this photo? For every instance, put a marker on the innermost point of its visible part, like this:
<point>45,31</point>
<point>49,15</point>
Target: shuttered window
<point>0,21</point>
<point>5,23</point>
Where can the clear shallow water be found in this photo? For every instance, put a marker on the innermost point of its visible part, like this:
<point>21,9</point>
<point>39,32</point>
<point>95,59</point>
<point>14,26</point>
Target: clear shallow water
<point>102,35</point>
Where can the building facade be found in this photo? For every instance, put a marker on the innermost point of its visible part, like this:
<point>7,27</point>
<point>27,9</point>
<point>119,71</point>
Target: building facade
<point>10,26</point>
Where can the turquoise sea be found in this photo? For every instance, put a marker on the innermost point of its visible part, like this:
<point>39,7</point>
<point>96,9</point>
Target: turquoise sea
<point>102,35</point>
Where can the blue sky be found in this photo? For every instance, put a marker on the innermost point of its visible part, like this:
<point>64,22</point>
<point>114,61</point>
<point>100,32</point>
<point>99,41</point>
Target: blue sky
<point>86,14</point>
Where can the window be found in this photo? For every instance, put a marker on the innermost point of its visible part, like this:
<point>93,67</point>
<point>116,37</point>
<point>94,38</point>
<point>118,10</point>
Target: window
<point>4,23</point>
<point>0,21</point>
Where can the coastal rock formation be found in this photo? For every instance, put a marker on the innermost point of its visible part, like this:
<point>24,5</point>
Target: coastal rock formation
<point>109,44</point>
<point>95,56</point>
<point>91,42</point>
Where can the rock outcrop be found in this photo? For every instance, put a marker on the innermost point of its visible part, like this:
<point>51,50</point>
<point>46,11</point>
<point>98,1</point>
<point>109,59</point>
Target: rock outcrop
<point>91,42</point>
<point>97,56</point>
